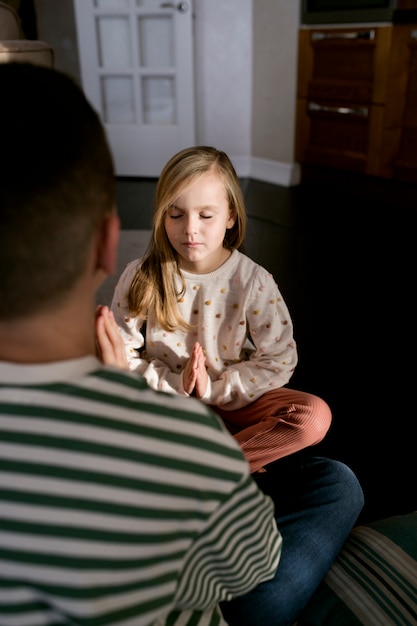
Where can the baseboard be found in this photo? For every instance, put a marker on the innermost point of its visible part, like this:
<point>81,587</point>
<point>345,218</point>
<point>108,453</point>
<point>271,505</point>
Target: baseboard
<point>275,172</point>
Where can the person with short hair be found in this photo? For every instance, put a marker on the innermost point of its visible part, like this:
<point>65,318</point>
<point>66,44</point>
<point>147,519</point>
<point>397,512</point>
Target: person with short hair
<point>119,505</point>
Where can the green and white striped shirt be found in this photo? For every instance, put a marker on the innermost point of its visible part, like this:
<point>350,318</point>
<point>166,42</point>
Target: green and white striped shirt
<point>121,505</point>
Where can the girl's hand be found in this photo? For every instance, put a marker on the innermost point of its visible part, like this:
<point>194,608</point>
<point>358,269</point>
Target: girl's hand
<point>201,375</point>
<point>189,374</point>
<point>194,376</point>
<point>109,344</point>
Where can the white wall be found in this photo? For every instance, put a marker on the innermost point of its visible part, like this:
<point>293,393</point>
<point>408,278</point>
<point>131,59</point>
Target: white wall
<point>246,70</point>
<point>223,76</point>
<point>56,25</point>
<point>275,41</point>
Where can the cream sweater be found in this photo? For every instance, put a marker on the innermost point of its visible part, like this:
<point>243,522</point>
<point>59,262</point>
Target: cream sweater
<point>239,318</point>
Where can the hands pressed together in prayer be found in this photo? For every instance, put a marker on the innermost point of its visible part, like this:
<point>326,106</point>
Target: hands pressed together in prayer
<point>111,351</point>
<point>194,376</point>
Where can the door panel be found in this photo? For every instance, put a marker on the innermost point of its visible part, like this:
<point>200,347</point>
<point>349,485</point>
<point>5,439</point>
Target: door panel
<point>137,70</point>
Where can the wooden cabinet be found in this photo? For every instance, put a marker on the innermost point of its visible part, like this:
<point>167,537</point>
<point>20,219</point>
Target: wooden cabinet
<point>405,5</point>
<point>405,161</point>
<point>357,99</point>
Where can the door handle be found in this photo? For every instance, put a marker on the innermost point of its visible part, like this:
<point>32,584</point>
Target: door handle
<point>182,7</point>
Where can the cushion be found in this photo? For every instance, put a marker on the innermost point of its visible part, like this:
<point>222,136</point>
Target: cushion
<point>373,580</point>
<point>26,50</point>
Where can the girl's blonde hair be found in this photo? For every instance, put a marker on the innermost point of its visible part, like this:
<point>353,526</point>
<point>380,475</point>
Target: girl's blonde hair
<point>154,286</point>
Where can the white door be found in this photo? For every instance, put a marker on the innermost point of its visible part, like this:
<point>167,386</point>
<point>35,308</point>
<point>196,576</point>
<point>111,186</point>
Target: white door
<point>136,60</point>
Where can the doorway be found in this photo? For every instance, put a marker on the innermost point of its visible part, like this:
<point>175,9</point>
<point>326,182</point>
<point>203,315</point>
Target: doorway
<point>137,70</point>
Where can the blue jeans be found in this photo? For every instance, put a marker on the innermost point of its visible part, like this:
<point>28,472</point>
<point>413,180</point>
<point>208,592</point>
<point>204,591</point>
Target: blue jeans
<point>317,502</point>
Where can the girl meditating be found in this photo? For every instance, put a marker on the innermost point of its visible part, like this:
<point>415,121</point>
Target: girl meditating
<point>198,317</point>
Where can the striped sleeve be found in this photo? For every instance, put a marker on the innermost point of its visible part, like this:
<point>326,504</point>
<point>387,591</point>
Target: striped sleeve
<point>239,548</point>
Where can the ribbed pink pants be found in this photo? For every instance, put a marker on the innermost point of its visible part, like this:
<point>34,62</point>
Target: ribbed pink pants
<point>280,422</point>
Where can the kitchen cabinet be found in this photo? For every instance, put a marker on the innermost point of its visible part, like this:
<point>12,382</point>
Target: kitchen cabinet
<point>357,99</point>
<point>405,162</point>
<point>406,5</point>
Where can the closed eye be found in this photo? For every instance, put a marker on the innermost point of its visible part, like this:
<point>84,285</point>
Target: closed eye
<point>176,216</point>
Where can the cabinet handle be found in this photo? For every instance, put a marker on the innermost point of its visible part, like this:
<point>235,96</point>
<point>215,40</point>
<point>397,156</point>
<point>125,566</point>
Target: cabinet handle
<point>368,34</point>
<point>413,34</point>
<point>358,111</point>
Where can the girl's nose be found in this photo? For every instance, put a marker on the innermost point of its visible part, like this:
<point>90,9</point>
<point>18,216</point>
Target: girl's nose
<point>190,225</point>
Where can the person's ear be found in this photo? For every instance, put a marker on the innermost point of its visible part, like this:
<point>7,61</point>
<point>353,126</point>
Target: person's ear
<point>109,244</point>
<point>232,219</point>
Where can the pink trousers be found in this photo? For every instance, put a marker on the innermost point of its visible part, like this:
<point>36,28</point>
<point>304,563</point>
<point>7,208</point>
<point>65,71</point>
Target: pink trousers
<point>280,422</point>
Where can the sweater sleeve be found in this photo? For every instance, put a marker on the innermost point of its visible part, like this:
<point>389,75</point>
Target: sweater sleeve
<point>270,355</point>
<point>157,374</point>
<point>242,530</point>
<point>130,328</point>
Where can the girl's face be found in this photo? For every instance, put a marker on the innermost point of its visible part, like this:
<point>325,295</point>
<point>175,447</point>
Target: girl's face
<point>197,222</point>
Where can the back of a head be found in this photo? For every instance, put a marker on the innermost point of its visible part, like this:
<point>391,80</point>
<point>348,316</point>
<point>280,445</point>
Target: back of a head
<point>56,184</point>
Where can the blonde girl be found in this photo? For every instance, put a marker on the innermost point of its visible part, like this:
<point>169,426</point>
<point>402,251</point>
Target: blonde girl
<point>199,317</point>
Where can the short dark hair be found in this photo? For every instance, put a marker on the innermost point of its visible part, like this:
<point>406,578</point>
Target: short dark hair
<point>57,183</point>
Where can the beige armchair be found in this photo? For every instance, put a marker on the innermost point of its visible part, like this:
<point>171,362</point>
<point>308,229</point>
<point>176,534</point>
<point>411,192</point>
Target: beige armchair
<point>15,47</point>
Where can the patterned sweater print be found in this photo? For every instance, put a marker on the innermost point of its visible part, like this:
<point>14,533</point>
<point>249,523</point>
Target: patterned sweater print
<point>240,319</point>
<point>117,503</point>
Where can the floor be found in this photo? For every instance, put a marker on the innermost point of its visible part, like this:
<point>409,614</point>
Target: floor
<point>343,250</point>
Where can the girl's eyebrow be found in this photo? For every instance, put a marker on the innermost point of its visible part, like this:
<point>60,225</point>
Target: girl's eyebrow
<point>206,207</point>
